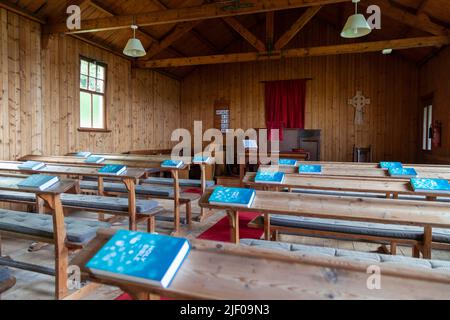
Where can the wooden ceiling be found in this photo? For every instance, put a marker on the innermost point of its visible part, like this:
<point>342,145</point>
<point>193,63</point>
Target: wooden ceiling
<point>264,30</point>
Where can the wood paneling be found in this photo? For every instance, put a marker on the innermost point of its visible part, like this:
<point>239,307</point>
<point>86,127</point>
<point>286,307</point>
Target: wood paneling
<point>434,80</point>
<point>389,81</point>
<point>20,86</point>
<point>39,100</point>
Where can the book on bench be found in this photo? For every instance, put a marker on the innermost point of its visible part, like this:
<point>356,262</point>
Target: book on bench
<point>434,185</point>
<point>94,159</point>
<point>141,258</point>
<point>38,182</point>
<point>250,144</point>
<point>31,165</point>
<point>287,162</point>
<point>270,177</point>
<point>402,172</point>
<point>239,197</point>
<point>113,169</point>
<point>172,164</point>
<point>83,154</point>
<point>310,169</point>
<point>388,165</point>
<point>201,159</point>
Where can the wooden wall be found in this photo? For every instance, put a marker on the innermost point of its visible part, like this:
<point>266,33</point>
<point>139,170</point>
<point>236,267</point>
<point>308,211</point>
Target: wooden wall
<point>142,106</point>
<point>389,81</point>
<point>20,86</point>
<point>39,100</point>
<point>435,80</point>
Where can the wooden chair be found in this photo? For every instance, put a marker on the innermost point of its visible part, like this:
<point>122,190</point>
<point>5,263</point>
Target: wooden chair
<point>362,154</point>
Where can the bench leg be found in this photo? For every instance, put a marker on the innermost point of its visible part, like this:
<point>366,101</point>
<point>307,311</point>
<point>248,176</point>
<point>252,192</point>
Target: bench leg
<point>189,213</point>
<point>234,225</point>
<point>416,251</point>
<point>151,225</point>
<point>393,248</point>
<point>427,240</point>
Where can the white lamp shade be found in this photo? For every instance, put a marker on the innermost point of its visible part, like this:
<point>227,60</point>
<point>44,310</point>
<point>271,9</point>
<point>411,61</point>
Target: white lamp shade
<point>356,27</point>
<point>134,48</point>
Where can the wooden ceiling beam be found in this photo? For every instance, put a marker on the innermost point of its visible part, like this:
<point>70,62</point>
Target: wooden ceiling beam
<point>363,47</point>
<point>420,21</point>
<point>245,33</point>
<point>20,11</point>
<point>296,27</point>
<point>178,31</point>
<point>270,30</point>
<point>206,11</point>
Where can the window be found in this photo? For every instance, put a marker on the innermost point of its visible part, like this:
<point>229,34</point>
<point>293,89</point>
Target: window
<point>92,94</point>
<point>426,130</point>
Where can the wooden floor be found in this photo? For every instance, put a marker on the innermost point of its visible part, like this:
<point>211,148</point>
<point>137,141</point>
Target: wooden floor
<point>32,286</point>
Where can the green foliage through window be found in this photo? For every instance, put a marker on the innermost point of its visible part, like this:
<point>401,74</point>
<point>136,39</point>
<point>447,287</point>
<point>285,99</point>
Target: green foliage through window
<point>92,94</point>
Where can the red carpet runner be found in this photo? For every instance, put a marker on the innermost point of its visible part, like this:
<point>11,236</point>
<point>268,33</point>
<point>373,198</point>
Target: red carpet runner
<point>221,232</point>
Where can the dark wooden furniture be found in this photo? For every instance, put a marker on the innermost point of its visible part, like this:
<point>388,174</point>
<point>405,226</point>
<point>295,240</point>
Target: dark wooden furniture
<point>362,154</point>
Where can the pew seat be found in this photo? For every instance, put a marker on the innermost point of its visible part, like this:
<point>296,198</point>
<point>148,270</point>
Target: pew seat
<point>143,190</point>
<point>348,255</point>
<point>79,232</point>
<point>349,230</point>
<point>85,201</point>
<point>184,183</point>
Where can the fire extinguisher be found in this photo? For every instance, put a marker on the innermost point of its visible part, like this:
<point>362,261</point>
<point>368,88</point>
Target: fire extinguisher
<point>435,134</point>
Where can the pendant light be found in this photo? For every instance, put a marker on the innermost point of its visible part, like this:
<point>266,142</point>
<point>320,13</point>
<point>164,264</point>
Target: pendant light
<point>134,46</point>
<point>356,25</point>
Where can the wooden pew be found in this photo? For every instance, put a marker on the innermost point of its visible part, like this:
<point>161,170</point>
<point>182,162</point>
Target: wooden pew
<point>363,172</point>
<point>278,276</point>
<point>366,165</point>
<point>129,178</point>
<point>137,162</point>
<point>51,198</point>
<point>243,158</point>
<point>391,188</point>
<point>156,160</point>
<point>385,211</point>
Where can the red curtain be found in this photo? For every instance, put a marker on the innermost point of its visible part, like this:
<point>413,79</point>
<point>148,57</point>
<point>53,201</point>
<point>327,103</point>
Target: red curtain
<point>285,104</point>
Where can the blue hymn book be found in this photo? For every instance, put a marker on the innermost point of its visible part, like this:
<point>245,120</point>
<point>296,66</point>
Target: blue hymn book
<point>287,162</point>
<point>172,164</point>
<point>31,165</point>
<point>269,177</point>
<point>402,172</point>
<point>94,159</point>
<point>310,169</point>
<point>113,169</point>
<point>139,257</point>
<point>236,196</point>
<point>435,185</point>
<point>38,182</point>
<point>389,165</point>
<point>201,159</point>
<point>83,154</point>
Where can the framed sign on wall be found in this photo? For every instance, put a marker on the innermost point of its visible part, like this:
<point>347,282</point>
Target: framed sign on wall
<point>222,115</point>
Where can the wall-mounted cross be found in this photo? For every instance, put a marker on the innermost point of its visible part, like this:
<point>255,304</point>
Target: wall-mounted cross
<point>359,102</point>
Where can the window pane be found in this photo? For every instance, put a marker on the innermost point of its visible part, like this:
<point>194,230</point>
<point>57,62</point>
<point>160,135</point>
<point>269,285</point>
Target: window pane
<point>100,86</point>
<point>83,82</point>
<point>85,110</point>
<point>430,122</point>
<point>100,72</point>
<point>91,84</point>
<point>98,112</point>
<point>84,67</point>
<point>92,70</point>
<point>425,129</point>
